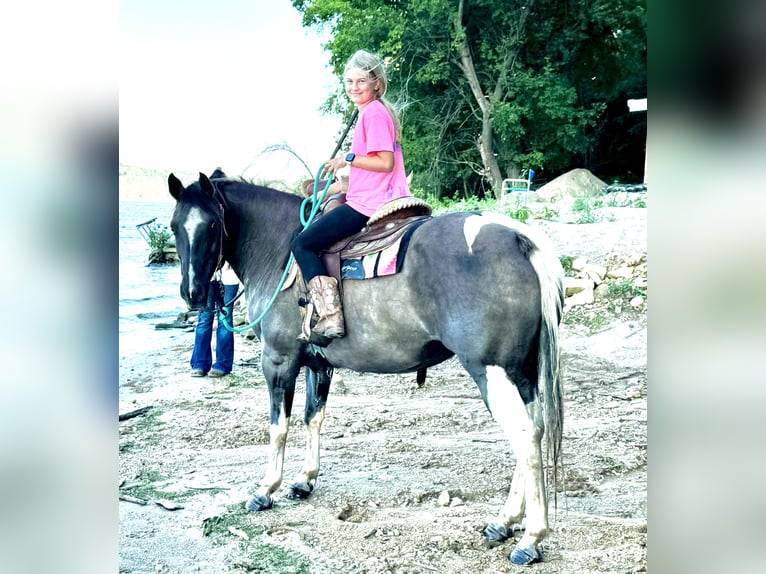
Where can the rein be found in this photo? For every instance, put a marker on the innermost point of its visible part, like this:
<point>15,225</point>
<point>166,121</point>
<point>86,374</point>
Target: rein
<point>305,221</point>
<point>219,264</point>
<point>316,200</point>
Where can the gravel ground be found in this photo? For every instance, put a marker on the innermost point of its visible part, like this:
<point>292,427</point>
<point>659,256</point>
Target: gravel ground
<point>389,450</point>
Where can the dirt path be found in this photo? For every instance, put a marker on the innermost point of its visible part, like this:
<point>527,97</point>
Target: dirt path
<point>389,449</point>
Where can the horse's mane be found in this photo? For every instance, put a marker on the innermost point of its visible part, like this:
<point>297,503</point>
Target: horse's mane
<point>267,221</point>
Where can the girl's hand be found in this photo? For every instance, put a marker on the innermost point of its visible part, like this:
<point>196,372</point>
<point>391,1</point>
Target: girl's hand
<point>333,165</point>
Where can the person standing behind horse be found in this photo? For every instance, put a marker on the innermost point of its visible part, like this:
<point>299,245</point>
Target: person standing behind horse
<point>376,176</point>
<point>221,294</point>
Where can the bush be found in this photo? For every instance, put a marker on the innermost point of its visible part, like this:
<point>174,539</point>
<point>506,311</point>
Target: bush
<point>159,237</point>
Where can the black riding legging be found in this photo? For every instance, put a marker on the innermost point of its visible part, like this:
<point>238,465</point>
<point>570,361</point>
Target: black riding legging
<point>343,221</point>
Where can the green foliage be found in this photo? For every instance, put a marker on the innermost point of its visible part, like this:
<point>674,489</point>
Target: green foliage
<point>545,76</point>
<point>517,211</point>
<point>546,213</point>
<point>585,207</point>
<point>624,288</point>
<point>521,213</point>
<point>623,200</point>
<point>566,263</point>
<point>159,237</point>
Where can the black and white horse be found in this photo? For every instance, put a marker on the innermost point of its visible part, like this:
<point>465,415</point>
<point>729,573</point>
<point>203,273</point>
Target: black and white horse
<point>478,286</point>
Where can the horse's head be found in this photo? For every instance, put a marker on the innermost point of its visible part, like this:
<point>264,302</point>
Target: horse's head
<point>198,226</point>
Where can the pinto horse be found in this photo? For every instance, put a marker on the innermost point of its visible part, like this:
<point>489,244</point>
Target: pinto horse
<point>479,286</point>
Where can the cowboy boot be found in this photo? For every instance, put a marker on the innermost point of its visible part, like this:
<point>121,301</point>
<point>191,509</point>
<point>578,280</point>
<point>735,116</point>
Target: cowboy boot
<point>326,299</point>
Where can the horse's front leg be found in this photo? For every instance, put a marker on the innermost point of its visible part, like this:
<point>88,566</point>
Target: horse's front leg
<point>317,389</point>
<point>280,378</point>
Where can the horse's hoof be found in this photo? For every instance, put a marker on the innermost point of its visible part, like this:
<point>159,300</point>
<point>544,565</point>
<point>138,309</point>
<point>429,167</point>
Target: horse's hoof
<point>300,491</point>
<point>495,535</point>
<point>259,503</point>
<point>524,557</point>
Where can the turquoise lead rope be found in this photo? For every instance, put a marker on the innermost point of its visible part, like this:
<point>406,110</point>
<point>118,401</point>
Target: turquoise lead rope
<point>305,221</point>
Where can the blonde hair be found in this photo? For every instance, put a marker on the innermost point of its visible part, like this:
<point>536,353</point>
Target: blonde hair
<point>375,70</point>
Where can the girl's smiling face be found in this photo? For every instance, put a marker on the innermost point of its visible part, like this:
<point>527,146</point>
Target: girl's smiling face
<point>360,88</point>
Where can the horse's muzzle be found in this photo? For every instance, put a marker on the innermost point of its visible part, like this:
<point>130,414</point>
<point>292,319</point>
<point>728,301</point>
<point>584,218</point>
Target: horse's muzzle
<point>196,299</point>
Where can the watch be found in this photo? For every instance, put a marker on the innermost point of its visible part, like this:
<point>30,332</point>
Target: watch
<point>350,158</point>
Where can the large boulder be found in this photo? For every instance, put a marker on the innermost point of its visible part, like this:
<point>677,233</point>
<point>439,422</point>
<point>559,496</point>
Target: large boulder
<point>579,182</point>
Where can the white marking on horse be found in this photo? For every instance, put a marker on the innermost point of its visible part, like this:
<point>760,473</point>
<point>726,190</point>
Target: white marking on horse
<point>522,425</point>
<point>310,470</point>
<point>278,437</point>
<point>192,225</point>
<point>474,223</point>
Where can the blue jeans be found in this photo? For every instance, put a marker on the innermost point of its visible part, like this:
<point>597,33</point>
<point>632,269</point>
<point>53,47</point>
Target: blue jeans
<point>202,357</point>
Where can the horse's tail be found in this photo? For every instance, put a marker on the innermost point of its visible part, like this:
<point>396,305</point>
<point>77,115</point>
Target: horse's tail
<point>551,277</point>
<point>542,256</point>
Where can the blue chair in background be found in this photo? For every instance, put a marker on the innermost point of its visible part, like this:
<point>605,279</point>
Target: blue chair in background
<point>517,184</point>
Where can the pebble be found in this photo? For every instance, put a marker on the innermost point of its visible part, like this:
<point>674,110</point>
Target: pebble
<point>443,499</point>
<point>345,512</point>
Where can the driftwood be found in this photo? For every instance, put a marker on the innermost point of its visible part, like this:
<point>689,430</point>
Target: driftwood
<point>176,325</point>
<point>135,413</point>
<point>133,499</point>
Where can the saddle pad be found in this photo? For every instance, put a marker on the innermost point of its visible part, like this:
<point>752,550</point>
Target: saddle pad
<point>385,262</point>
<point>372,265</point>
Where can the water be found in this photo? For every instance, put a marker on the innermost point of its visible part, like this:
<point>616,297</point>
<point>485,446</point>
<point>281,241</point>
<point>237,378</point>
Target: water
<point>148,294</point>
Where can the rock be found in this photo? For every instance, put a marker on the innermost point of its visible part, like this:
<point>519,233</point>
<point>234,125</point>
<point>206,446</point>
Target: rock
<point>636,302</point>
<point>579,263</point>
<point>345,512</point>
<point>581,298</point>
<point>456,502</point>
<point>620,273</point>
<point>443,499</point>
<point>577,183</point>
<point>594,272</point>
<point>601,292</point>
<point>640,282</point>
<point>437,539</point>
<point>573,285</point>
<point>636,259</point>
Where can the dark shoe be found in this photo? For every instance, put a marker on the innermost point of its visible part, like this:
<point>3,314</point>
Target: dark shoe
<point>326,299</point>
<point>217,373</point>
<point>198,372</point>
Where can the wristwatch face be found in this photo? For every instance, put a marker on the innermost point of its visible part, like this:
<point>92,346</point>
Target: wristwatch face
<point>350,157</point>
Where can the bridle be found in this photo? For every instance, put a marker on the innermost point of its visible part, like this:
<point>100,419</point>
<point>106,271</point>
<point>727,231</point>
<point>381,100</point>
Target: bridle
<point>224,233</point>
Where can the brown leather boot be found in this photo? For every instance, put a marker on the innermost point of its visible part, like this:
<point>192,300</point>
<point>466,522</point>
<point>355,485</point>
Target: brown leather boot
<point>326,299</point>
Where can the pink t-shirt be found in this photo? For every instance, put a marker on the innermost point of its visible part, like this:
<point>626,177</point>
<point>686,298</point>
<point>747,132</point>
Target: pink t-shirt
<point>368,190</point>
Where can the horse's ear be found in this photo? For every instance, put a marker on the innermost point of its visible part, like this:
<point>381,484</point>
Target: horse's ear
<point>175,186</point>
<point>206,185</point>
<point>217,174</point>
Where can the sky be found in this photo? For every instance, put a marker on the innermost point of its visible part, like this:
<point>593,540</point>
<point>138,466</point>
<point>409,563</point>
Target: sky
<point>212,83</point>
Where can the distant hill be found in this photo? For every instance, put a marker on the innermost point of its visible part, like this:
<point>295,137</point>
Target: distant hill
<point>148,184</point>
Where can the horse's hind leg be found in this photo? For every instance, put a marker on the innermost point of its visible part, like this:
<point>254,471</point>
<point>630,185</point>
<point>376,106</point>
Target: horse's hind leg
<point>512,512</point>
<point>523,425</point>
<point>317,389</point>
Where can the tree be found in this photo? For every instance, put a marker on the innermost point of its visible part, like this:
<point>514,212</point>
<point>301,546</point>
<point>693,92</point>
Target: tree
<point>488,87</point>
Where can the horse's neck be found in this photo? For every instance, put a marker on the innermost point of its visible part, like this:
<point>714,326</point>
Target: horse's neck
<point>259,243</point>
